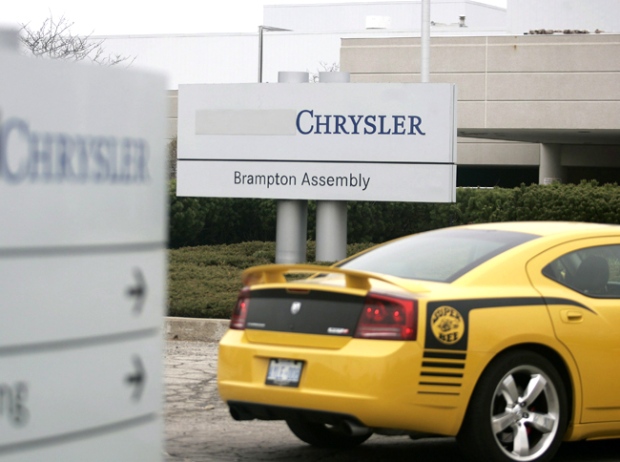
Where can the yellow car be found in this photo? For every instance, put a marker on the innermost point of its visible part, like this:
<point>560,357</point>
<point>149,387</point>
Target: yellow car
<point>505,335</point>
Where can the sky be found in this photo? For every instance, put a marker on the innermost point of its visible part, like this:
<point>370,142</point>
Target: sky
<point>131,17</point>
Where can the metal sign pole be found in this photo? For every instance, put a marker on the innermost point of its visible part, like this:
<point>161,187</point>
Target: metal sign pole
<point>331,216</point>
<point>292,215</point>
<point>260,54</point>
<point>425,40</point>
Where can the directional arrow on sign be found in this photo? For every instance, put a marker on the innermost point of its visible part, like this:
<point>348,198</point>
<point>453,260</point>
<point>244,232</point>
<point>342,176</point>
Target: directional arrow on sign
<point>137,379</point>
<point>138,291</point>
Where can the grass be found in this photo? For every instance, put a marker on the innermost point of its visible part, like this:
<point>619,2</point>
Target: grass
<point>203,282</point>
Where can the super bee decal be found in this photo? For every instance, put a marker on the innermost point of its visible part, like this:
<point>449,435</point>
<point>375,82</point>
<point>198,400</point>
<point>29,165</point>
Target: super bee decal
<point>447,325</point>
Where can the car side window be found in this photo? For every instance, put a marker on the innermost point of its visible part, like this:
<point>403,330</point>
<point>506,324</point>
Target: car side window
<point>592,271</point>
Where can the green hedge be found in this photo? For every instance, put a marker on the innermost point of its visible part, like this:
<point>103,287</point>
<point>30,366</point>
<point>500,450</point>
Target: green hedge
<point>203,281</point>
<point>213,240</point>
<point>214,221</point>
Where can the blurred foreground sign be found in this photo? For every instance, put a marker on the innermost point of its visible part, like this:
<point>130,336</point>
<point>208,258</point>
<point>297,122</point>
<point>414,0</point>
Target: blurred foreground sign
<point>349,141</point>
<point>82,261</point>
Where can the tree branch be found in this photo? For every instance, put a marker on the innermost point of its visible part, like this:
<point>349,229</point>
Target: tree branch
<point>54,40</point>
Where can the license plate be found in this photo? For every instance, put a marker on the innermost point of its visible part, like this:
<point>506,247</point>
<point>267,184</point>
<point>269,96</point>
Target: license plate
<point>284,372</point>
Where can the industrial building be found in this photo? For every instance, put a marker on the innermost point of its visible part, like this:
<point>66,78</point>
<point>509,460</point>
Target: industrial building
<point>538,82</point>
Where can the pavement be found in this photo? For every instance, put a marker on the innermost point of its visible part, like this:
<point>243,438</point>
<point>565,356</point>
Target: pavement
<point>199,428</point>
<point>195,329</point>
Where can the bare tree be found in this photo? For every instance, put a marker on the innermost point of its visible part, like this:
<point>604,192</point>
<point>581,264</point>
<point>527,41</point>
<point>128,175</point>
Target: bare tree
<point>333,67</point>
<point>53,39</point>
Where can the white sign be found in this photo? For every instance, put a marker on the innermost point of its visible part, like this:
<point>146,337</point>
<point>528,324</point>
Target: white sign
<point>318,181</point>
<point>83,199</point>
<point>380,142</point>
<point>59,393</point>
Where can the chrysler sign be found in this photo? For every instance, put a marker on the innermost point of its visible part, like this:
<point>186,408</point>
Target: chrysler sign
<point>83,200</point>
<point>367,142</point>
<point>53,158</point>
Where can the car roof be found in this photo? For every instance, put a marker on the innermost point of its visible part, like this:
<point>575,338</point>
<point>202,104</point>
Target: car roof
<point>546,228</point>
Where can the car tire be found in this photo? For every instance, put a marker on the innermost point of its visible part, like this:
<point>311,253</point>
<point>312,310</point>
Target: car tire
<point>325,436</point>
<point>518,412</point>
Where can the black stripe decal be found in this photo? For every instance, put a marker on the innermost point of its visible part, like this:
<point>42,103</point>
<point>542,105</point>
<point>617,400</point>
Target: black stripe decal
<point>457,342</point>
<point>441,374</point>
<point>441,384</point>
<point>481,303</point>
<point>437,393</point>
<point>443,365</point>
<point>566,301</point>
<point>444,355</point>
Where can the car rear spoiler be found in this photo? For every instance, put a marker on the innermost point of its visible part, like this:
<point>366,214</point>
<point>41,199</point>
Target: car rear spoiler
<point>356,280</point>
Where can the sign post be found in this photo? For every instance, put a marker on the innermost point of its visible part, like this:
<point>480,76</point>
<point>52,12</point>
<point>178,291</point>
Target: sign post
<point>292,215</point>
<point>83,261</point>
<point>331,216</point>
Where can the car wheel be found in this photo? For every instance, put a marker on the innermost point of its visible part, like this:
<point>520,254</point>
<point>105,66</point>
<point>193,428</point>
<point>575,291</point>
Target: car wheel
<point>326,436</point>
<point>517,412</point>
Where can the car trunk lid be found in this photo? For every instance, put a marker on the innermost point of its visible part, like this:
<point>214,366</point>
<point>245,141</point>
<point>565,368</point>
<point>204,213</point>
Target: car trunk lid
<point>321,311</point>
<point>314,312</point>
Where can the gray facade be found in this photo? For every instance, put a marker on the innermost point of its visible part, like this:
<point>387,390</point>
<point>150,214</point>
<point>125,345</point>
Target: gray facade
<point>529,101</point>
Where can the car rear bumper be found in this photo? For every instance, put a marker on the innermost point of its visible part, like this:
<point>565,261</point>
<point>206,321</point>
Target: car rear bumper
<point>374,382</point>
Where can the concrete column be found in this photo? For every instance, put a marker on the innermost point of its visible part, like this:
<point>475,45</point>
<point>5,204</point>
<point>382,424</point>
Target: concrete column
<point>292,215</point>
<point>331,216</point>
<point>550,169</point>
<point>291,231</point>
<point>331,230</point>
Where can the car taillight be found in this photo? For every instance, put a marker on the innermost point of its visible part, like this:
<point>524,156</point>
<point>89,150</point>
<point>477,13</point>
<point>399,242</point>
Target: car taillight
<point>240,312</point>
<point>387,318</point>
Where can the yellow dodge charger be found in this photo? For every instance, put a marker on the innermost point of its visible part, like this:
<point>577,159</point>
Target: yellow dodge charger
<point>505,335</point>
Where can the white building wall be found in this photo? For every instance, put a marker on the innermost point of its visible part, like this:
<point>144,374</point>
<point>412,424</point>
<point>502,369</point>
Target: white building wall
<point>402,16</point>
<point>226,58</point>
<point>315,37</point>
<point>299,52</point>
<point>203,58</point>
<point>526,15</point>
<point>485,17</point>
<point>317,31</point>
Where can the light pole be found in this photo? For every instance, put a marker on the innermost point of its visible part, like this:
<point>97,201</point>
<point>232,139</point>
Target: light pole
<point>425,41</point>
<point>260,47</point>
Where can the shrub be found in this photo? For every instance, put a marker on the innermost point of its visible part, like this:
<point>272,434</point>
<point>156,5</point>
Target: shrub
<point>186,218</point>
<point>203,282</point>
<point>586,201</point>
<point>212,221</point>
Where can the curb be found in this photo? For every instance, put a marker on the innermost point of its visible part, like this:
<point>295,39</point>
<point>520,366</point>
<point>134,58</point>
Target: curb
<point>195,329</point>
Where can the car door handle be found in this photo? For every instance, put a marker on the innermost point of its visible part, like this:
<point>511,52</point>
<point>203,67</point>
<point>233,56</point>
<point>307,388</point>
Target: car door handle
<point>571,316</point>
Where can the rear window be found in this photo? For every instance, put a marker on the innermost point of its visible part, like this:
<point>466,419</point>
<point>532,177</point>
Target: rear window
<point>441,256</point>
